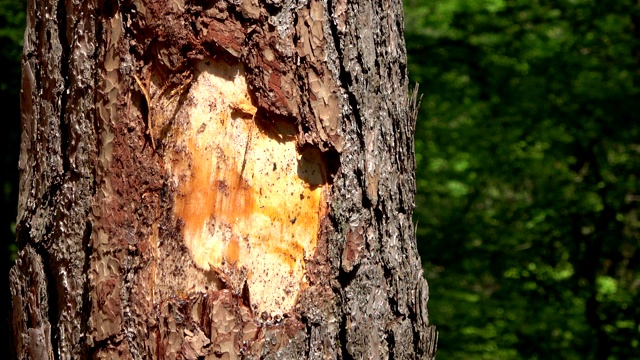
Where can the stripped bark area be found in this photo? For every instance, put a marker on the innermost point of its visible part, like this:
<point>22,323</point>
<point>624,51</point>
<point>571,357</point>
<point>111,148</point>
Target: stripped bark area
<point>217,179</point>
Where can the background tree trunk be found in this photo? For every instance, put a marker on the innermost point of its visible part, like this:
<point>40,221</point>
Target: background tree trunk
<point>217,180</point>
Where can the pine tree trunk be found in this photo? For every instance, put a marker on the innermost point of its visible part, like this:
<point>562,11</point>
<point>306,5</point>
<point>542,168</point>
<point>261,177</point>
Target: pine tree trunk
<point>217,179</point>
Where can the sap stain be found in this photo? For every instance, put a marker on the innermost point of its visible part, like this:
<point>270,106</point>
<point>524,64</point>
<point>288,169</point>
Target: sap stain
<point>240,180</point>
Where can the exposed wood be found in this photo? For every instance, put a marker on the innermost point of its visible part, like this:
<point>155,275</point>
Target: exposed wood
<point>217,179</point>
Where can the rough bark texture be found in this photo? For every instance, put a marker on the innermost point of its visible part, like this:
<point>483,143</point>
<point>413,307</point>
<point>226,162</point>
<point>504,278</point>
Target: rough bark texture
<point>105,269</point>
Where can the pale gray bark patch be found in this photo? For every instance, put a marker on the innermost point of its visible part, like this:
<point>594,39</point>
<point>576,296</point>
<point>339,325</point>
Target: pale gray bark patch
<point>384,298</point>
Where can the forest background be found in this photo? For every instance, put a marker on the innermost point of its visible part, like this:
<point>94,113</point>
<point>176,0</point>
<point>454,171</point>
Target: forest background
<point>528,157</point>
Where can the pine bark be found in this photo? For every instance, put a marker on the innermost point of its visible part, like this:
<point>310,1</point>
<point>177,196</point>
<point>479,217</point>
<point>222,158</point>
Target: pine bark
<point>105,269</point>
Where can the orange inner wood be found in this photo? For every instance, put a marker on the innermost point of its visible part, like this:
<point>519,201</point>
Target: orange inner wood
<point>246,197</point>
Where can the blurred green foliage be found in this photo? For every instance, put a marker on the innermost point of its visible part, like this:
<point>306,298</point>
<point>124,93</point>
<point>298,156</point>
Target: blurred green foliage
<point>528,157</point>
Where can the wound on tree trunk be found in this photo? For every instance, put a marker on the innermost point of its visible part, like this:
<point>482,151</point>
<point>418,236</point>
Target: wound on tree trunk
<point>217,179</point>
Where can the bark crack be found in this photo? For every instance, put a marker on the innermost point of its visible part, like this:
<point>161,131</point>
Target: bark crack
<point>342,334</point>
<point>86,302</point>
<point>52,296</point>
<point>391,341</point>
<point>345,75</point>
<point>65,128</point>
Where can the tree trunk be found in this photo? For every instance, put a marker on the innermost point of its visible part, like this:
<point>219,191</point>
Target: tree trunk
<point>217,179</point>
